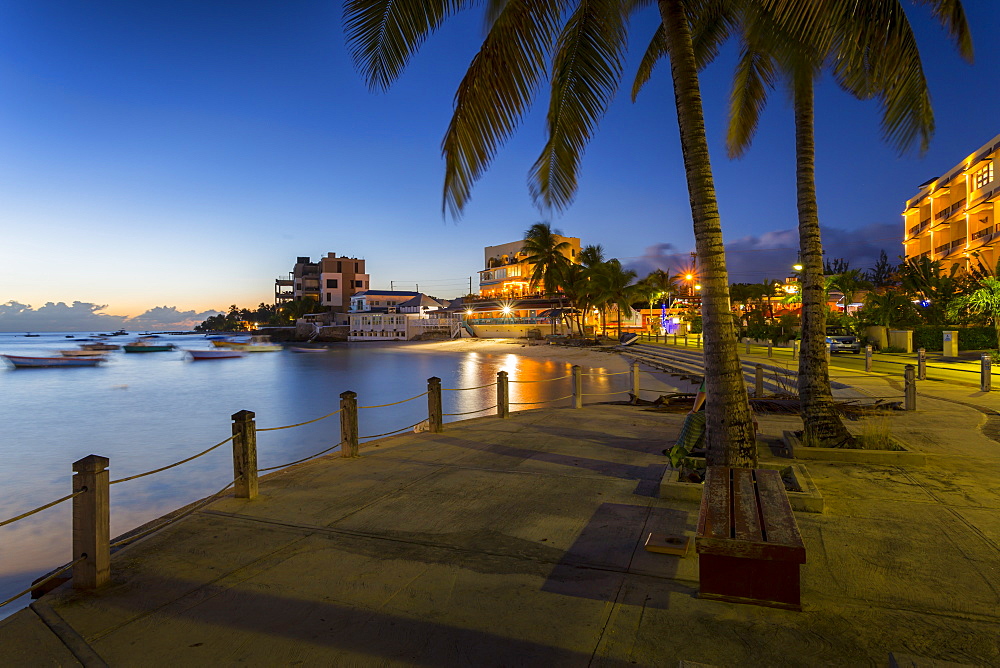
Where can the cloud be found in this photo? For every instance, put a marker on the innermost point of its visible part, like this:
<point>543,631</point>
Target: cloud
<point>85,316</point>
<point>752,259</point>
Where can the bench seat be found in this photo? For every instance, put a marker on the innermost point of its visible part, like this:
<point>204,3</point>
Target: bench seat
<point>748,544</point>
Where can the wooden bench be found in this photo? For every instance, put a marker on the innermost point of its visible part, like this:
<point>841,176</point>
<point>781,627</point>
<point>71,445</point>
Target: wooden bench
<point>749,547</point>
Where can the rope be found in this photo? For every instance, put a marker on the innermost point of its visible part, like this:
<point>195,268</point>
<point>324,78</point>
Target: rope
<point>41,508</point>
<point>396,403</point>
<point>299,461</point>
<point>545,380</point>
<point>395,430</point>
<point>470,412</point>
<point>477,387</point>
<point>299,424</point>
<point>601,373</point>
<point>170,466</point>
<point>530,403</point>
<point>198,506</point>
<point>47,578</point>
<point>594,394</point>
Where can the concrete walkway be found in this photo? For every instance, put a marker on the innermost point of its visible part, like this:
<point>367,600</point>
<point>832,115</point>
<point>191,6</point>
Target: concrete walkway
<point>519,542</point>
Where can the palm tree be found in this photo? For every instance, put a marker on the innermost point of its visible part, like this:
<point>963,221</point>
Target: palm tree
<point>616,287</point>
<point>585,42</point>
<point>592,255</point>
<point>547,257</point>
<point>850,283</point>
<point>873,54</point>
<point>934,288</point>
<point>984,301</point>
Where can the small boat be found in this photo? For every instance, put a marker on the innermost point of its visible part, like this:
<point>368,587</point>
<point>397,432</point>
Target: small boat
<point>99,346</point>
<point>298,349</point>
<point>146,345</point>
<point>26,362</point>
<point>231,342</point>
<point>217,353</point>
<point>29,334</point>
<point>82,353</point>
<point>261,344</point>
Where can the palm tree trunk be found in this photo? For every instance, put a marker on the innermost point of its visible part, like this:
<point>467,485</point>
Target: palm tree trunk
<point>730,439</point>
<point>821,423</point>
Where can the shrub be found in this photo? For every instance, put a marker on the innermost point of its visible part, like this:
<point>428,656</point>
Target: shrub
<point>929,337</point>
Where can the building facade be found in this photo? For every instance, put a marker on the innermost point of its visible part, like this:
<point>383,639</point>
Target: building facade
<point>331,282</point>
<point>507,273</point>
<point>951,219</point>
<point>378,300</point>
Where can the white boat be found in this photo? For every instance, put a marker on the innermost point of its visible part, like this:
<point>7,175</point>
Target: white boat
<point>216,353</point>
<point>21,361</point>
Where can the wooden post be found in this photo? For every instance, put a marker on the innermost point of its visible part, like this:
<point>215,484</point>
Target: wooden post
<point>868,358</point>
<point>91,522</point>
<point>503,395</point>
<point>921,364</point>
<point>435,414</point>
<point>909,388</point>
<point>348,424</point>
<point>986,373</point>
<point>244,455</point>
<point>635,381</point>
<point>758,387</point>
<point>577,386</point>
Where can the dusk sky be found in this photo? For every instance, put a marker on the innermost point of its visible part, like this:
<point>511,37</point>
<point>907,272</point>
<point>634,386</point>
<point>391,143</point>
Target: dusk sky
<point>182,154</point>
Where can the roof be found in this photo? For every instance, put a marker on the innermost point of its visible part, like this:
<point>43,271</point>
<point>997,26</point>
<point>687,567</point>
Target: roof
<point>385,293</point>
<point>422,300</point>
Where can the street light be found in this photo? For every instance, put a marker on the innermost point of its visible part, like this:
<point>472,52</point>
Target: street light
<point>797,267</point>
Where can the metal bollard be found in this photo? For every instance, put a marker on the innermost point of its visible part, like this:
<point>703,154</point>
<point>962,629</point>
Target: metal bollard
<point>909,388</point>
<point>685,340</point>
<point>770,348</point>
<point>795,347</point>
<point>91,522</point>
<point>675,339</point>
<point>985,373</point>
<point>577,386</point>
<point>503,395</point>
<point>921,364</point>
<point>244,455</point>
<point>758,386</point>
<point>348,424</point>
<point>746,343</point>
<point>435,413</point>
<point>868,358</point>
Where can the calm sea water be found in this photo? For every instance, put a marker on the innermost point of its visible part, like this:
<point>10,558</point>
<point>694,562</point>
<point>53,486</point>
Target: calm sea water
<point>147,410</point>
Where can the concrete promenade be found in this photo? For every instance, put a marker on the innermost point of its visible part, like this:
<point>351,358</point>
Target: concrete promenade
<point>519,543</point>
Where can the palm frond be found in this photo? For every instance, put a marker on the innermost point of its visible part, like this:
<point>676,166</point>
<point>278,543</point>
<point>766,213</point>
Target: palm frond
<point>656,50</point>
<point>495,92</point>
<point>754,77</point>
<point>951,15</point>
<point>382,35</point>
<point>586,72</point>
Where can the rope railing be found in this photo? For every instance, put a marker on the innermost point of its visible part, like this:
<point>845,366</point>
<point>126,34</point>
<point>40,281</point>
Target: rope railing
<point>299,424</point>
<point>477,387</point>
<point>41,508</point>
<point>395,403</point>
<point>51,576</point>
<point>471,412</point>
<point>299,461</point>
<point>395,431</point>
<point>604,373</point>
<point>543,380</point>
<point>170,466</point>
<point>534,403</point>
<point>596,394</point>
<point>196,506</point>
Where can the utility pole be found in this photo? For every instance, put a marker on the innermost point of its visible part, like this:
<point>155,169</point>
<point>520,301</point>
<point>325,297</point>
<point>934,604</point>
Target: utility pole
<point>390,285</point>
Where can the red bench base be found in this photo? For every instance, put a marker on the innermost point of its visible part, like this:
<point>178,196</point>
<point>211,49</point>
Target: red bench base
<point>773,584</point>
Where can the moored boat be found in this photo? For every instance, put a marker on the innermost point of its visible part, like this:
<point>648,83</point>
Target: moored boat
<point>300,349</point>
<point>147,345</point>
<point>20,361</point>
<point>82,353</point>
<point>217,353</point>
<point>100,346</point>
<point>261,344</point>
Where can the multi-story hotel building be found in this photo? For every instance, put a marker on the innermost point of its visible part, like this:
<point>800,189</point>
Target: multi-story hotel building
<point>508,273</point>
<point>331,281</point>
<point>951,219</point>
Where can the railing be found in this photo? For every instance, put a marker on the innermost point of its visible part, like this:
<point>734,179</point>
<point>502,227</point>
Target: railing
<point>509,321</point>
<point>943,248</point>
<point>91,538</point>
<point>986,231</point>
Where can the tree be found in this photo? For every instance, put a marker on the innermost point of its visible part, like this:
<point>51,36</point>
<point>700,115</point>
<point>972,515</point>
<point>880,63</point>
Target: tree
<point>850,283</point>
<point>837,265</point>
<point>616,287</point>
<point>886,309</point>
<point>585,43</point>
<point>934,288</point>
<point>873,54</point>
<point>884,273</point>
<point>592,255</point>
<point>985,301</point>
<point>546,255</point>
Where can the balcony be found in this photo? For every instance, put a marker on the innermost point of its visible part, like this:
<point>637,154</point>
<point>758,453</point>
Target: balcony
<point>917,229</point>
<point>985,232</point>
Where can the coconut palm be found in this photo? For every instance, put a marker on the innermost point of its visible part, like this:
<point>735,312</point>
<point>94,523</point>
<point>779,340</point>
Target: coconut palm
<point>585,42</point>
<point>984,301</point>
<point>616,288</point>
<point>592,255</point>
<point>547,256</point>
<point>873,54</point>
<point>850,283</point>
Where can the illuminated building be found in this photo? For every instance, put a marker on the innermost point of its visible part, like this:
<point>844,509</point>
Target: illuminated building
<point>508,273</point>
<point>331,281</point>
<point>951,218</point>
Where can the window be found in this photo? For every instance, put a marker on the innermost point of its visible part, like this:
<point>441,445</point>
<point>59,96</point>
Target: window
<point>375,303</point>
<point>983,176</point>
<point>331,282</point>
<point>357,284</point>
<point>329,296</point>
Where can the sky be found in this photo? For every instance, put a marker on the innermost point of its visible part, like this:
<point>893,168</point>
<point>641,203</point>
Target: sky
<point>165,159</point>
